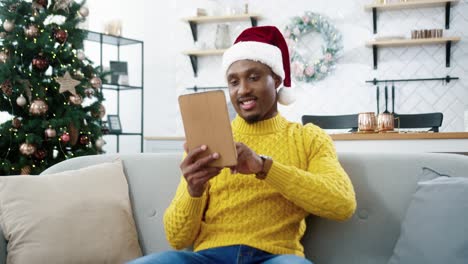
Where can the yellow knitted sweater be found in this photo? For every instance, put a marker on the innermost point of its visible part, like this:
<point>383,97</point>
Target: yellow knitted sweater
<point>305,177</point>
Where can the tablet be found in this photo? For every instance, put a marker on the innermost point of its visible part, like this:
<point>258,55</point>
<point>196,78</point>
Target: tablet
<point>206,122</point>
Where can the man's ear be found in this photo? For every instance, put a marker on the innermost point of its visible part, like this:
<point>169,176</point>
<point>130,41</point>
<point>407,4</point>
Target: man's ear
<point>278,80</point>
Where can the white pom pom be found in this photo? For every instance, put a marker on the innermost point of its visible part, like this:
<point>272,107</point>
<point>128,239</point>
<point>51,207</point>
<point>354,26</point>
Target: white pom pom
<point>286,96</point>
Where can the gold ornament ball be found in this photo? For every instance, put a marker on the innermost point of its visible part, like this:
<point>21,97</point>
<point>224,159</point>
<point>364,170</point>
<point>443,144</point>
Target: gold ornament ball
<point>101,112</point>
<point>38,107</point>
<point>31,31</point>
<point>78,74</point>
<point>27,149</point>
<point>3,56</point>
<point>21,101</point>
<point>8,25</point>
<point>100,142</point>
<point>75,99</point>
<point>96,82</point>
<point>50,133</point>
<point>84,11</point>
<point>26,170</point>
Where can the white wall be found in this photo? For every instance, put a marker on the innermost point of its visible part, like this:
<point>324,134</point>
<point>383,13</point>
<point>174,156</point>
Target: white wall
<point>168,72</point>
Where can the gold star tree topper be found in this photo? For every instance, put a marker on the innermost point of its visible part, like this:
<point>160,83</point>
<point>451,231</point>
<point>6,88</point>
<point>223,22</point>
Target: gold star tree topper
<point>67,83</point>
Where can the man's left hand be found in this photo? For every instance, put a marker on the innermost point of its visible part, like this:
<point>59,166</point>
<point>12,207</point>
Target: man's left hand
<point>248,162</point>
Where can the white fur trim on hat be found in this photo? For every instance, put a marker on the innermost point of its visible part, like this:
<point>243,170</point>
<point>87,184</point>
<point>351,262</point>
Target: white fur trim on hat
<point>256,51</point>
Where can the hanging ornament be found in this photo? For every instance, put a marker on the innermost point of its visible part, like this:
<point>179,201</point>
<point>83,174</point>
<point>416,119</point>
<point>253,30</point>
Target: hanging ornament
<point>40,63</point>
<point>73,133</point>
<point>84,11</point>
<point>31,31</point>
<point>41,3</point>
<point>38,107</point>
<point>75,99</point>
<point>62,5</point>
<point>50,133</point>
<point>8,25</point>
<point>21,101</point>
<point>3,35</point>
<point>7,88</point>
<point>27,149</point>
<point>65,137</point>
<point>16,122</point>
<point>12,8</point>
<point>40,154</point>
<point>78,74</point>
<point>67,83</point>
<point>80,55</point>
<point>84,139</point>
<point>89,92</point>
<point>96,82</point>
<point>26,170</point>
<point>3,56</point>
<point>100,142</point>
<point>61,36</point>
<point>100,113</point>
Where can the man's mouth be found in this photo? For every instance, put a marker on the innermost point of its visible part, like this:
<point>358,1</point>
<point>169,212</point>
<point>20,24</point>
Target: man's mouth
<point>248,104</point>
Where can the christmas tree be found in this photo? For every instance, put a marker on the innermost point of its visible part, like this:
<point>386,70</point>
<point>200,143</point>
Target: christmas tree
<point>48,86</point>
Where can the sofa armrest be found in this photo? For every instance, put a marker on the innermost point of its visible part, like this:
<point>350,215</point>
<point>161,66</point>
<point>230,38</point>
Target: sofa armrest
<point>3,248</point>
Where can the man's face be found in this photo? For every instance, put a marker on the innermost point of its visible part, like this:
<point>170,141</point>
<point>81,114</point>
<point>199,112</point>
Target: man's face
<point>252,88</point>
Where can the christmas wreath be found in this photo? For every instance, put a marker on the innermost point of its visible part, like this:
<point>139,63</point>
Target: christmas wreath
<point>313,69</point>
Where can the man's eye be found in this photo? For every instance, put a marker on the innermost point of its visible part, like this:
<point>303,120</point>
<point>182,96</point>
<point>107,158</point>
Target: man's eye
<point>233,83</point>
<point>253,77</point>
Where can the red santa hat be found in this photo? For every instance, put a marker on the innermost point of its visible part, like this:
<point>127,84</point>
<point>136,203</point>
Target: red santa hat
<point>264,44</point>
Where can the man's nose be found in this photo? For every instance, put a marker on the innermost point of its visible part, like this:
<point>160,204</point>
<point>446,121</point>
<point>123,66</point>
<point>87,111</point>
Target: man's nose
<point>244,87</point>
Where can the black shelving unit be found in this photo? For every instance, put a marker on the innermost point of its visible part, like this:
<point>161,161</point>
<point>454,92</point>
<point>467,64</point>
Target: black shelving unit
<point>102,39</point>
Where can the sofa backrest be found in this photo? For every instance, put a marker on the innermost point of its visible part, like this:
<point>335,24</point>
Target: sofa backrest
<point>384,184</point>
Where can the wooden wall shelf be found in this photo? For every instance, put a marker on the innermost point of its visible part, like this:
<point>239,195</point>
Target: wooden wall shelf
<point>375,44</point>
<point>194,54</point>
<point>193,21</point>
<point>411,4</point>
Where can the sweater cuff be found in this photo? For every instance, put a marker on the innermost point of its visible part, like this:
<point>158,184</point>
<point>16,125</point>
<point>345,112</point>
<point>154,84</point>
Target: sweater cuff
<point>276,176</point>
<point>191,205</point>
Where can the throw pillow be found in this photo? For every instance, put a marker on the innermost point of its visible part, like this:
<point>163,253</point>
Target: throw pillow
<point>74,217</point>
<point>435,227</point>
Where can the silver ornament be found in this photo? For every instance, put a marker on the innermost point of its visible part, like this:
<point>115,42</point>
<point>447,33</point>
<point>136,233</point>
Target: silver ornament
<point>80,55</point>
<point>21,101</point>
<point>84,11</point>
<point>100,143</point>
<point>8,25</point>
<point>3,56</point>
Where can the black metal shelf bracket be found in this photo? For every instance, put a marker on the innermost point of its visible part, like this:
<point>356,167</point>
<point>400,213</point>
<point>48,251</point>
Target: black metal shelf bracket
<point>196,88</point>
<point>445,79</point>
<point>193,27</point>
<point>374,52</point>
<point>448,47</point>
<point>447,15</point>
<point>374,19</point>
<point>194,62</point>
<point>253,20</point>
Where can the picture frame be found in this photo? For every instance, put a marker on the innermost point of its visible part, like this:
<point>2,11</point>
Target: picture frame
<point>119,69</point>
<point>113,122</point>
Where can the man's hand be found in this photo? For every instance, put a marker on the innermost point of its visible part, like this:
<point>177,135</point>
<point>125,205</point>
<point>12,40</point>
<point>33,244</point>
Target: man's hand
<point>248,162</point>
<point>196,171</point>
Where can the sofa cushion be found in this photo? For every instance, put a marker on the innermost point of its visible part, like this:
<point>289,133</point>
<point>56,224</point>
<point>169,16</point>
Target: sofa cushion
<point>435,229</point>
<point>76,216</point>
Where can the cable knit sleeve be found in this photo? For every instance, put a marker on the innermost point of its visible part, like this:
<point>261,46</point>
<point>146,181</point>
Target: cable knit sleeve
<point>183,217</point>
<point>324,189</point>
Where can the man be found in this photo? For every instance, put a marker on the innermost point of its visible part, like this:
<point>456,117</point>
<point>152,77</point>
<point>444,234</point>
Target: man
<point>255,212</point>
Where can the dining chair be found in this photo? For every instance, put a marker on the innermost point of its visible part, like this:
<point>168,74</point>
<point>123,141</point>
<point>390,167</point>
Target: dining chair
<point>425,120</point>
<point>333,121</point>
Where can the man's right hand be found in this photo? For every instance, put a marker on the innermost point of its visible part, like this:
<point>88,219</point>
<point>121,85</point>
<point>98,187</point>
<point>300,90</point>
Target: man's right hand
<point>196,170</point>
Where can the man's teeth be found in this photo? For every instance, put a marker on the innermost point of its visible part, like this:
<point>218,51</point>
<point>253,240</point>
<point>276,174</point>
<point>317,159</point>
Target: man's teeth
<point>247,102</point>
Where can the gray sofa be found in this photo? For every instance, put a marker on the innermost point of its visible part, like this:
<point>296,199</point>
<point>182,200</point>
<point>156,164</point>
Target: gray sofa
<point>384,184</point>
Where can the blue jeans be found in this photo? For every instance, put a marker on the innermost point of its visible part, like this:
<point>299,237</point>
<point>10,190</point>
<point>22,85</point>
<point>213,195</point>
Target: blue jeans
<point>239,254</point>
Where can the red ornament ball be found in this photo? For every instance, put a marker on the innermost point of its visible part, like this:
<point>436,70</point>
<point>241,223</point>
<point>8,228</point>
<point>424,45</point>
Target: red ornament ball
<point>42,3</point>
<point>40,154</point>
<point>65,137</point>
<point>84,140</point>
<point>61,36</point>
<point>40,63</point>
<point>7,88</point>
